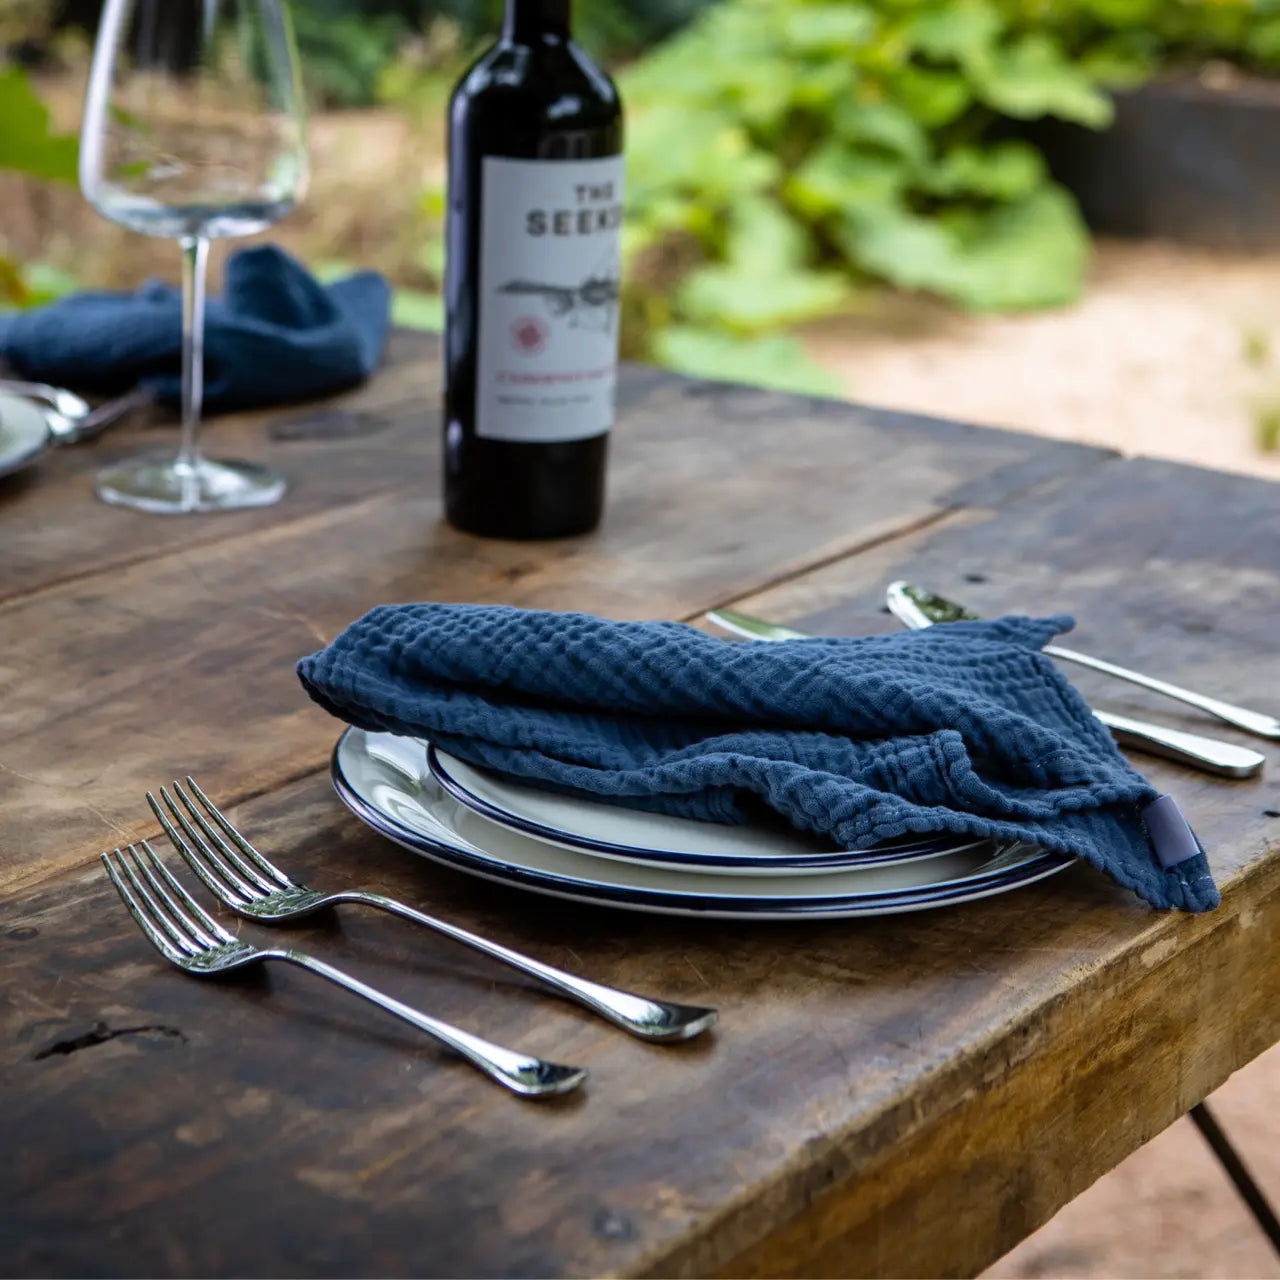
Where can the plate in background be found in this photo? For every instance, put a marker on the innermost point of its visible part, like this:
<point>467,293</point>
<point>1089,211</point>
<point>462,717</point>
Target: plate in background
<point>24,433</point>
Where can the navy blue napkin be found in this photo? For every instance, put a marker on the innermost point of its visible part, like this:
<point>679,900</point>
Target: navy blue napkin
<point>963,728</point>
<point>276,335</point>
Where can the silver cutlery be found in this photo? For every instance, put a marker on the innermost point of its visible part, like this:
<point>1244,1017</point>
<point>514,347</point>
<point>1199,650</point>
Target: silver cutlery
<point>1224,759</point>
<point>173,922</point>
<point>903,596</point>
<point>242,878</point>
<point>73,430</point>
<point>59,399</point>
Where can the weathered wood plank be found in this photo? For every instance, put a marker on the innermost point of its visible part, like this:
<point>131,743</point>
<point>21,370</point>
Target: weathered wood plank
<point>385,435</point>
<point>184,660</point>
<point>905,1096</point>
<point>379,436</point>
<point>908,1096</point>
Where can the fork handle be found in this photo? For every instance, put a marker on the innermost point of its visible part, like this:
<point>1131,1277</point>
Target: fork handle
<point>643,1017</point>
<point>1256,722</point>
<point>519,1072</point>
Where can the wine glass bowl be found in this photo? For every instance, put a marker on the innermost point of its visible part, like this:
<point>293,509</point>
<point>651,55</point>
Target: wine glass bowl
<point>194,130</point>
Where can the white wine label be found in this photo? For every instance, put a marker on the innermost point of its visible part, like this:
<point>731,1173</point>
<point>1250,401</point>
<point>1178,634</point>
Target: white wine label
<point>550,264</point>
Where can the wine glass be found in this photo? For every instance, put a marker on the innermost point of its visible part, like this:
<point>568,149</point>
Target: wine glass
<point>193,130</point>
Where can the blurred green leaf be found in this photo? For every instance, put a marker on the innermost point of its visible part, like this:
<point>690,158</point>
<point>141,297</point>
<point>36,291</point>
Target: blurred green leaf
<point>415,309</point>
<point>27,143</point>
<point>779,362</point>
<point>1263,42</point>
<point>754,302</point>
<point>1027,255</point>
<point>1009,170</point>
<point>1020,256</point>
<point>765,238</point>
<point>827,28</point>
<point>962,31</point>
<point>883,124</point>
<point>48,283</point>
<point>934,97</point>
<point>1033,77</point>
<point>837,177</point>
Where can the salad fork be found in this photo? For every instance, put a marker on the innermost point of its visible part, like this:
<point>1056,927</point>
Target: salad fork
<point>174,923</point>
<point>242,878</point>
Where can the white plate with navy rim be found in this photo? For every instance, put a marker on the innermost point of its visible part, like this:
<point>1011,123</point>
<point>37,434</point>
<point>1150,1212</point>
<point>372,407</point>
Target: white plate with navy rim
<point>383,780</point>
<point>24,433</point>
<point>658,839</point>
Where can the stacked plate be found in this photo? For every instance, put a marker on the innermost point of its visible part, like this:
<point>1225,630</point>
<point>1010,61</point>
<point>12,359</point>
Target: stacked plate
<point>491,826</point>
<point>24,433</point>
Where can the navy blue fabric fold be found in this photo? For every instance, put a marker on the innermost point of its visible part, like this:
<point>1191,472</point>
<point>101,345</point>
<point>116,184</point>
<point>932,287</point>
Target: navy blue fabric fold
<point>963,728</point>
<point>275,336</point>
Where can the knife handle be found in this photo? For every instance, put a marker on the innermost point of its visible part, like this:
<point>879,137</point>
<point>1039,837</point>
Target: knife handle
<point>1264,726</point>
<point>1222,758</point>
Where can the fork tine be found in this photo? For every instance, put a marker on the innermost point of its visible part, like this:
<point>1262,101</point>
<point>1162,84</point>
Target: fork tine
<point>139,914</point>
<point>220,879</point>
<point>159,916</point>
<point>258,859</point>
<point>241,865</point>
<point>203,928</point>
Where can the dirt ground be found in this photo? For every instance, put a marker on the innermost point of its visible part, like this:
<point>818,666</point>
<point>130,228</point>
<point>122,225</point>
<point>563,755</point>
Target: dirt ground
<point>1169,354</point>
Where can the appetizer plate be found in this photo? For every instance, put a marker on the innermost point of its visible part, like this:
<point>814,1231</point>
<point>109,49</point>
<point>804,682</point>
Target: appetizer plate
<point>383,779</point>
<point>659,839</point>
<point>24,433</point>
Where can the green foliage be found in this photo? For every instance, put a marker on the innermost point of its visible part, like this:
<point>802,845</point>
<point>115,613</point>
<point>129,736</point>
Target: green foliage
<point>350,47</point>
<point>807,146</point>
<point>785,152</point>
<point>27,143</point>
<point>777,361</point>
<point>344,54</point>
<point>1266,426</point>
<point>29,146</point>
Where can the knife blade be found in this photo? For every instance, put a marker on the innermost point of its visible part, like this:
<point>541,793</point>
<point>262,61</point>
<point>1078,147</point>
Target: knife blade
<point>1223,759</point>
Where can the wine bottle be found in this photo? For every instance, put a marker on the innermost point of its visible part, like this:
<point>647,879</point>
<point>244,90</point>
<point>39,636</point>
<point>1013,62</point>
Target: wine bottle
<point>532,266</point>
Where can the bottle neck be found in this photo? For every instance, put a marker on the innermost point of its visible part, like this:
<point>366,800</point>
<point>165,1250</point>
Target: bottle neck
<point>529,20</point>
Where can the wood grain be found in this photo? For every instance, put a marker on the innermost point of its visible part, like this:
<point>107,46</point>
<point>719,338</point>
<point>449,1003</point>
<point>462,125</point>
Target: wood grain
<point>904,1096</point>
<point>183,660</point>
<point>381,435</point>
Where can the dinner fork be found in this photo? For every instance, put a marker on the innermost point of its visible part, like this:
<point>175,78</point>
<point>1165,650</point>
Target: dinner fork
<point>244,880</point>
<point>174,923</point>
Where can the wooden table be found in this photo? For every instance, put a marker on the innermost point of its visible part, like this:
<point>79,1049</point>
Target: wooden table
<point>912,1095</point>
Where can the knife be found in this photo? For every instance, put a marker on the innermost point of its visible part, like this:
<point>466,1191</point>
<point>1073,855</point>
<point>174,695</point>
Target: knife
<point>1208,754</point>
<point>907,602</point>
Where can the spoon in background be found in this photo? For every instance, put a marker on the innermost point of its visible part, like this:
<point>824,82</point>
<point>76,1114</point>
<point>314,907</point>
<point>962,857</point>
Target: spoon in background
<point>72,430</point>
<point>66,404</point>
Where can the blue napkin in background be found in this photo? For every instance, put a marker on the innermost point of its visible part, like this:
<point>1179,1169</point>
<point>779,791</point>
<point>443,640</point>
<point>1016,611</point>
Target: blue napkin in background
<point>276,335</point>
<point>963,727</point>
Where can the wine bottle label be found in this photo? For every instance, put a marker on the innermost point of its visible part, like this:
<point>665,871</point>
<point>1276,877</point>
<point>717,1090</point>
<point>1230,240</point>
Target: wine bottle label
<point>550,263</point>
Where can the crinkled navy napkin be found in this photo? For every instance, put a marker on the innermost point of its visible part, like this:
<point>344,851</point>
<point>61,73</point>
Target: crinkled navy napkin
<point>963,728</point>
<point>276,335</point>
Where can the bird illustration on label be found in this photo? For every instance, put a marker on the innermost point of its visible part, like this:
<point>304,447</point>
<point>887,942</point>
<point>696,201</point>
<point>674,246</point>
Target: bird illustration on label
<point>593,304</point>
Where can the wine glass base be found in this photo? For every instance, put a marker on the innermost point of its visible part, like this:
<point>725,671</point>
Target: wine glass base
<point>165,487</point>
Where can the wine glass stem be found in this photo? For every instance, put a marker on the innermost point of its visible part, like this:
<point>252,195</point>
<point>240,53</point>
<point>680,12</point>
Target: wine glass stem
<point>195,273</point>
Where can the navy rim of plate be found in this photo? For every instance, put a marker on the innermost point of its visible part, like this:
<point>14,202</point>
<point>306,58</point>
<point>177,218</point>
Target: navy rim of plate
<point>835,860</point>
<point>1039,867</point>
